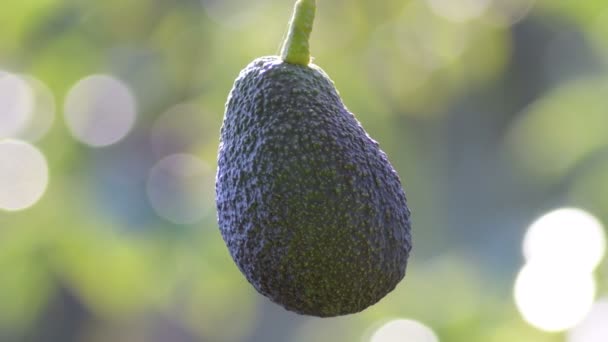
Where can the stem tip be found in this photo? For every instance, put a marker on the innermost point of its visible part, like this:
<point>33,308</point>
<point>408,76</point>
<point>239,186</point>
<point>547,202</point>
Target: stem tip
<point>295,48</point>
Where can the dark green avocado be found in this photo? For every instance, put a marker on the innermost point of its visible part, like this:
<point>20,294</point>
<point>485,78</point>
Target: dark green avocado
<point>310,208</point>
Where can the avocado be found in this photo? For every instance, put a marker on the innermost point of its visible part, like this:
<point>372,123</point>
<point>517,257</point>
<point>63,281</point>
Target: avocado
<point>311,210</point>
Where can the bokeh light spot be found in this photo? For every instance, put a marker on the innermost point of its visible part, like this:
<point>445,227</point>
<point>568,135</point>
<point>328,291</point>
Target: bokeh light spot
<point>404,330</point>
<point>594,328</point>
<point>23,175</point>
<point>429,41</point>
<point>15,104</point>
<point>509,12</point>
<point>233,13</point>
<point>100,110</point>
<point>177,130</point>
<point>42,110</point>
<point>552,298</point>
<point>181,188</point>
<point>459,10</point>
<point>568,237</point>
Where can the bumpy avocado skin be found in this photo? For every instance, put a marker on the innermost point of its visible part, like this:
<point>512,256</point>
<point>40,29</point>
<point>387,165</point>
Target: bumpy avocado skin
<point>310,208</point>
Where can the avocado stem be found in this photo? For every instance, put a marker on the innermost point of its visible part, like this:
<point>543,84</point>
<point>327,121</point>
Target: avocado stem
<point>295,48</point>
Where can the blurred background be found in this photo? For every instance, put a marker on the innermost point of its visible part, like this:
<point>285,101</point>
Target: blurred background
<point>494,113</point>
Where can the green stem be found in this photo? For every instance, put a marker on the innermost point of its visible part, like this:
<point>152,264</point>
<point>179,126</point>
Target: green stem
<point>295,47</point>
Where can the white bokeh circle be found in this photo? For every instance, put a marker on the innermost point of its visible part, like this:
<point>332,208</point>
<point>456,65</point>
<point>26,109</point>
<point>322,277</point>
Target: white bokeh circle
<point>181,188</point>
<point>42,111</point>
<point>569,237</point>
<point>401,330</point>
<point>24,175</point>
<point>594,328</point>
<point>459,10</point>
<point>16,102</point>
<point>553,298</point>
<point>100,110</point>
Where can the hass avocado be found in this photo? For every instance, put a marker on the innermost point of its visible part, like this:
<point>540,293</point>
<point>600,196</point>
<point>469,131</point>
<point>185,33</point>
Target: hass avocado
<point>311,210</point>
